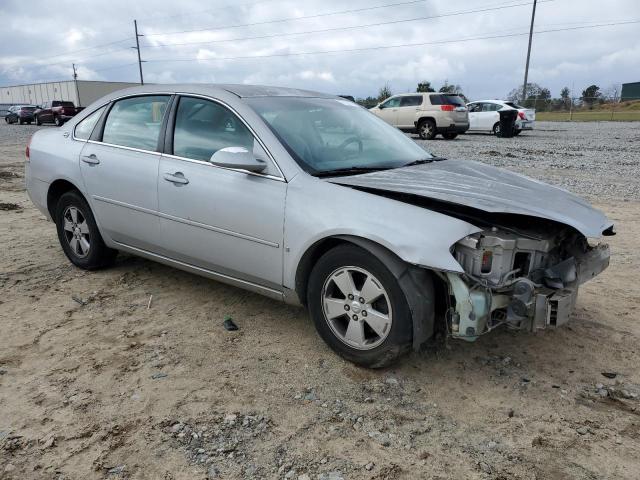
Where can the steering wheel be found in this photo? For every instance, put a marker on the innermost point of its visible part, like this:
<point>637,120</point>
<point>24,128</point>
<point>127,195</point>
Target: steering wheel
<point>349,141</point>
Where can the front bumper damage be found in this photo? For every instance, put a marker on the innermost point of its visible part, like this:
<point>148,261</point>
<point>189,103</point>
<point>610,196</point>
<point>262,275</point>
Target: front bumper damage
<point>547,301</point>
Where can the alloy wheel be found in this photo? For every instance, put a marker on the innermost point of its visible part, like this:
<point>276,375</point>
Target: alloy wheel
<point>76,231</point>
<point>357,308</point>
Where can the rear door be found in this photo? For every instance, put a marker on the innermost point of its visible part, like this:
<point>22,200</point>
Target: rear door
<point>409,105</point>
<point>119,166</point>
<point>224,220</point>
<point>489,115</point>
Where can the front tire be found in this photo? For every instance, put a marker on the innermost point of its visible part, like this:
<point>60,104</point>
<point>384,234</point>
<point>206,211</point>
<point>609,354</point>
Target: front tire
<point>79,235</point>
<point>358,307</point>
<point>38,121</point>
<point>57,121</point>
<point>427,129</point>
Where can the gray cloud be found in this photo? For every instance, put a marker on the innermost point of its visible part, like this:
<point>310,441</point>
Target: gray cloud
<point>34,36</point>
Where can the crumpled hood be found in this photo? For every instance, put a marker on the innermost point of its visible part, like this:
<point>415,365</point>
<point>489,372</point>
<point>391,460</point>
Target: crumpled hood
<point>486,188</point>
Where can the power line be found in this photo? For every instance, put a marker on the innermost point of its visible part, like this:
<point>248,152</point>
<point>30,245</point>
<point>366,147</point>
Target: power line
<point>384,47</point>
<point>352,27</point>
<point>208,10</point>
<point>88,48</point>
<point>288,19</point>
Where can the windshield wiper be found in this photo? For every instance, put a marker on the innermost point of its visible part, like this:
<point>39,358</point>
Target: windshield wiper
<point>424,160</point>
<point>348,171</point>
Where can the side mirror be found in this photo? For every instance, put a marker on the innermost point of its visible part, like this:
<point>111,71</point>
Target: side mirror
<point>380,106</point>
<point>239,158</point>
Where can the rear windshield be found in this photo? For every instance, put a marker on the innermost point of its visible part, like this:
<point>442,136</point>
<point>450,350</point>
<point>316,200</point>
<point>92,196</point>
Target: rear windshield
<point>447,99</point>
<point>63,104</point>
<point>28,109</point>
<point>512,105</point>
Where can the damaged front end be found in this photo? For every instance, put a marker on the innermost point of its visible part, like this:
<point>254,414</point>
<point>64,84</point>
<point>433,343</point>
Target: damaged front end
<point>526,279</point>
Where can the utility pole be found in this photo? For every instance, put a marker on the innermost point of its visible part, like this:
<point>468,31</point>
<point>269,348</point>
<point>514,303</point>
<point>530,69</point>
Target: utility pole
<point>526,68</point>
<point>75,82</point>
<point>137,47</point>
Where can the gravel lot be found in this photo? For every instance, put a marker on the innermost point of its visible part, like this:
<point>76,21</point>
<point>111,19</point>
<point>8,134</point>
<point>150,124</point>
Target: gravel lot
<point>96,381</point>
<point>597,160</point>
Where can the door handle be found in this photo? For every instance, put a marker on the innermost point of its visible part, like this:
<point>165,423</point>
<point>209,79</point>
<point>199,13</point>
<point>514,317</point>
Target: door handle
<point>91,159</point>
<point>177,177</point>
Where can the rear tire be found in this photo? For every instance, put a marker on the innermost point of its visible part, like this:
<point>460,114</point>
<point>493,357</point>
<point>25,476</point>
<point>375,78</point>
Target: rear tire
<point>79,235</point>
<point>517,132</point>
<point>427,129</point>
<point>377,327</point>
<point>449,136</point>
<point>57,121</point>
<point>38,121</point>
<point>19,121</point>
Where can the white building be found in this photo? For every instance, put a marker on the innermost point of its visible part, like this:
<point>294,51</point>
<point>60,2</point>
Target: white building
<point>80,92</point>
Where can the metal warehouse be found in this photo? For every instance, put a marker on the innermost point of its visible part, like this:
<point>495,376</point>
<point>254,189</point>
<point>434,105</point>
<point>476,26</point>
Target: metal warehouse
<point>630,91</point>
<point>80,92</point>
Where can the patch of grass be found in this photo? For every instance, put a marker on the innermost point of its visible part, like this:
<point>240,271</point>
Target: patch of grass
<point>589,116</point>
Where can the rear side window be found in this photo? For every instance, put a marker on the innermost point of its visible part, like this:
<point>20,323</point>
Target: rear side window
<point>411,101</point>
<point>203,127</point>
<point>85,127</point>
<point>446,99</point>
<point>135,122</point>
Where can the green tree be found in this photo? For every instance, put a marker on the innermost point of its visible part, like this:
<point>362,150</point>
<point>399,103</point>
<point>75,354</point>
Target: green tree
<point>590,95</point>
<point>565,97</point>
<point>384,92</point>
<point>452,88</point>
<point>536,96</point>
<point>425,86</point>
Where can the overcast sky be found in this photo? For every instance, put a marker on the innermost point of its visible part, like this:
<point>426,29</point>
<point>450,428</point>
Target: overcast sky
<point>40,39</point>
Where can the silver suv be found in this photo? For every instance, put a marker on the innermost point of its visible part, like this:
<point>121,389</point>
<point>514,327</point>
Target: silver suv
<point>428,114</point>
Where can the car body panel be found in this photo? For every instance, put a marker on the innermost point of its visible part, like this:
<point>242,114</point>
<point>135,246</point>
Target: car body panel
<point>407,117</point>
<point>487,188</point>
<point>123,192</point>
<point>224,220</point>
<point>252,230</point>
<point>487,115</point>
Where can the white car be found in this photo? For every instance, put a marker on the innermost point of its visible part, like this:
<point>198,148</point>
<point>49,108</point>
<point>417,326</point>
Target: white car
<point>484,116</point>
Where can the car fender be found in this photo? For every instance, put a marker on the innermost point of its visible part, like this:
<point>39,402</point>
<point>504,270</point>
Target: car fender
<point>316,210</point>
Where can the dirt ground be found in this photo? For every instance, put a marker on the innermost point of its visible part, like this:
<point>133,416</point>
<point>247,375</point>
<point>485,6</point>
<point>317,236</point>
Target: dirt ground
<point>97,383</point>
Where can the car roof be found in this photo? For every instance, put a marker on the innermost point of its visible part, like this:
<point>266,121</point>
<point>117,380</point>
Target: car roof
<point>492,101</point>
<point>242,91</point>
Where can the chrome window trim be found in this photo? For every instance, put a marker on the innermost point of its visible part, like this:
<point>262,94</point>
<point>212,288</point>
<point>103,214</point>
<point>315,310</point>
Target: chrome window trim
<point>131,95</point>
<point>73,132</point>
<point>280,178</point>
<point>246,124</point>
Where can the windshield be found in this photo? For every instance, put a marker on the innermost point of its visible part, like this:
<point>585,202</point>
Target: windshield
<point>326,134</point>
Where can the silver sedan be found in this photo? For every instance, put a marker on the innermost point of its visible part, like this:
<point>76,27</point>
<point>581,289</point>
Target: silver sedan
<point>310,199</point>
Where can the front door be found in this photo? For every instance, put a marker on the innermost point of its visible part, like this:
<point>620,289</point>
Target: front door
<point>388,111</point>
<point>120,171</point>
<point>227,221</point>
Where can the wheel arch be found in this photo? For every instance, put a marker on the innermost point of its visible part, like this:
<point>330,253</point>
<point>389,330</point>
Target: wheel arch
<point>424,118</point>
<point>56,190</point>
<point>416,282</point>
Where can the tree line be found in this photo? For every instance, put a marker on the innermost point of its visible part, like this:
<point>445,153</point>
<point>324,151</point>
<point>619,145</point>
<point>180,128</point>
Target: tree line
<point>536,96</point>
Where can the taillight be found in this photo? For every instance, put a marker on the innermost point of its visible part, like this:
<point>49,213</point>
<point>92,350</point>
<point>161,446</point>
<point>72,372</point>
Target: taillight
<point>487,260</point>
<point>447,108</point>
<point>521,115</point>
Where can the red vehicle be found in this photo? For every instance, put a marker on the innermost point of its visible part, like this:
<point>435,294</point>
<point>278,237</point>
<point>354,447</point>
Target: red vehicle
<point>56,111</point>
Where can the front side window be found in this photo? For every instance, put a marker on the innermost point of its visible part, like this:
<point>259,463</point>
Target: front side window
<point>325,134</point>
<point>411,101</point>
<point>203,127</point>
<point>85,127</point>
<point>135,122</point>
<point>391,103</point>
